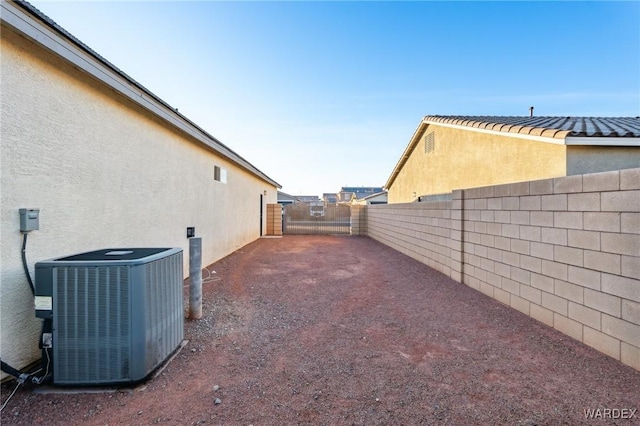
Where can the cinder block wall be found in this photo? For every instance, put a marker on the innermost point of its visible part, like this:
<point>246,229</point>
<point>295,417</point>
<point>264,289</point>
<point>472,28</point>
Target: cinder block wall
<point>564,251</point>
<point>419,230</point>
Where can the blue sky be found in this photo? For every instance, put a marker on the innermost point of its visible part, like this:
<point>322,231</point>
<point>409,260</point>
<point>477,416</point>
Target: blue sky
<point>320,95</point>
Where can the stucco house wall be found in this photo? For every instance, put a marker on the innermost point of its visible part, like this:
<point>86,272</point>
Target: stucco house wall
<point>595,159</point>
<point>104,172</point>
<point>443,157</point>
<point>465,159</point>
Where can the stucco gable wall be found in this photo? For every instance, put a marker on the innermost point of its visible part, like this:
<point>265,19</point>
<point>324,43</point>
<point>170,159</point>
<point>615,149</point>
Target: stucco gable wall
<point>468,159</point>
<point>104,173</point>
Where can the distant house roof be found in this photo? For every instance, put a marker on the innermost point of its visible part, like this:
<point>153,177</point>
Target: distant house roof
<point>378,194</point>
<point>600,131</point>
<point>358,191</point>
<point>361,189</point>
<point>308,198</point>
<point>282,196</point>
<point>53,37</point>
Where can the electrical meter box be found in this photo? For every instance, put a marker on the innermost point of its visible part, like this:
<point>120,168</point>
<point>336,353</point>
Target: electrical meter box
<point>29,220</point>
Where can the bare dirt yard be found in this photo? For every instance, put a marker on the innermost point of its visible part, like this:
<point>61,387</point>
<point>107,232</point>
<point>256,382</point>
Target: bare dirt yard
<point>326,330</point>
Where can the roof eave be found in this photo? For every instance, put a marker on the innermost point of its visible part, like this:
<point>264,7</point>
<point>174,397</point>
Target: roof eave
<point>407,152</point>
<point>602,141</point>
<point>31,23</point>
<point>515,131</point>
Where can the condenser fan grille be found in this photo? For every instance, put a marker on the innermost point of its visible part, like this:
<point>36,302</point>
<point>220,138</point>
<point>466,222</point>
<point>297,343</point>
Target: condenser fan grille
<point>93,325</point>
<point>164,313</point>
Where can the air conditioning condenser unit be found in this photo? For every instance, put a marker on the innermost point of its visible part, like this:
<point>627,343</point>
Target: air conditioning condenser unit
<point>116,314</point>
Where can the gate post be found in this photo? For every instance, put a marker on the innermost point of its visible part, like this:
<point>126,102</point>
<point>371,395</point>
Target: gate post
<point>274,220</point>
<point>358,224</point>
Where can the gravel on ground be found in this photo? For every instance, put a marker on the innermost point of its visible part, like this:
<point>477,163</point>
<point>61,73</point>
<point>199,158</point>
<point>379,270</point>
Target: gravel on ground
<point>336,330</point>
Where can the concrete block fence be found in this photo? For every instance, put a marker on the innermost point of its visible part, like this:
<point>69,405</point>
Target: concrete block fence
<point>274,220</point>
<point>565,251</point>
<point>422,231</point>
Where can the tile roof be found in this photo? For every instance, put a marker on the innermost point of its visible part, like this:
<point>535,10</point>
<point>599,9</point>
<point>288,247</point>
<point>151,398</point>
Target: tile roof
<point>554,127</point>
<point>283,196</point>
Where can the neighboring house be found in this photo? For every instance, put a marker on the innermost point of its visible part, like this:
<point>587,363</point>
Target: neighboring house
<point>108,164</point>
<point>379,198</point>
<point>308,199</point>
<point>286,199</point>
<point>330,197</point>
<point>456,152</point>
<point>349,193</point>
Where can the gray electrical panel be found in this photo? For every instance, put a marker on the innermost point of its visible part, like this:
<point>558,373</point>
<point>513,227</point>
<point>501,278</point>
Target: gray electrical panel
<point>117,313</point>
<point>29,220</point>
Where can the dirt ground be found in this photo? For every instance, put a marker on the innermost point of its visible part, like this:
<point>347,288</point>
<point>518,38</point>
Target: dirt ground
<point>328,330</point>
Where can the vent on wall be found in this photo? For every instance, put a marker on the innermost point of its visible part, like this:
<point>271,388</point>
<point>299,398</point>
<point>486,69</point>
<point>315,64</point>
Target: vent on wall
<point>219,174</point>
<point>429,143</point>
<point>116,317</point>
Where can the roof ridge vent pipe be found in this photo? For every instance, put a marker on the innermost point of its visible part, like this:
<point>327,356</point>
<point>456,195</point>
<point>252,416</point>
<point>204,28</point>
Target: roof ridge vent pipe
<point>530,111</point>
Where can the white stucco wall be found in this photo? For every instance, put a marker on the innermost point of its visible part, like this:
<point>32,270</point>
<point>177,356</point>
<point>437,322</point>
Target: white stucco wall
<point>104,173</point>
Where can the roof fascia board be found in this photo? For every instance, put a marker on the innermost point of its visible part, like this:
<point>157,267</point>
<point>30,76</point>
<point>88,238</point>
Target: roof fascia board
<point>546,139</point>
<point>600,141</point>
<point>567,140</point>
<point>407,153</point>
<point>32,28</point>
<point>377,194</point>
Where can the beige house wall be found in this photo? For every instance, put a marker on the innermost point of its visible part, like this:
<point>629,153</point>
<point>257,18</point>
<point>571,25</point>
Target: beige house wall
<point>104,172</point>
<point>564,251</point>
<point>467,159</point>
<point>458,157</point>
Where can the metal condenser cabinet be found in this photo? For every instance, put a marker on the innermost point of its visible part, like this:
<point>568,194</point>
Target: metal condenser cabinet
<point>117,313</point>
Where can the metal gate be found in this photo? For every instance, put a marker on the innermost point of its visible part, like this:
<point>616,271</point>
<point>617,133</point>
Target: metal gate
<point>320,218</point>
